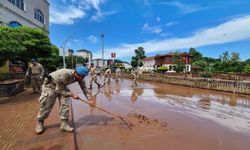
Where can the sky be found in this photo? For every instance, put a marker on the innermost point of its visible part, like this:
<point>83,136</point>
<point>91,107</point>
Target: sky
<point>159,26</point>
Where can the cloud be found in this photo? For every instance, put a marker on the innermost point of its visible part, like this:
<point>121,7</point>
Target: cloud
<point>65,15</point>
<point>171,23</point>
<point>185,8</point>
<point>158,19</point>
<point>67,12</point>
<point>151,29</point>
<point>237,29</point>
<point>92,39</point>
<point>101,15</point>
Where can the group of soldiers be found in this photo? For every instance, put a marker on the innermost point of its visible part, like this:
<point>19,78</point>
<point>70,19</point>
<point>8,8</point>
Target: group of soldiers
<point>55,85</point>
<point>94,73</point>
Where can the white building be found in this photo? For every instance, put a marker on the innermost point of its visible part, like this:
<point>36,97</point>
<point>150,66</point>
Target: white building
<point>126,65</point>
<point>98,63</point>
<point>85,54</point>
<point>31,13</point>
<point>148,64</point>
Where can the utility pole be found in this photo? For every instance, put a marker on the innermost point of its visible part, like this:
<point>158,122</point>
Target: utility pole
<point>102,35</point>
<point>65,42</point>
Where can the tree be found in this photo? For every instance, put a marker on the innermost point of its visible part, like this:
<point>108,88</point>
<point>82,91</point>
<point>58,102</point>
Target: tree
<point>177,59</point>
<point>23,43</point>
<point>162,69</point>
<point>196,56</point>
<point>139,55</point>
<point>247,69</point>
<point>225,57</point>
<point>200,63</point>
<point>52,62</point>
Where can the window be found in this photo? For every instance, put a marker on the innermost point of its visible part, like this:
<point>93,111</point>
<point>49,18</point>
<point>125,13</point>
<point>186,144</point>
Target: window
<point>18,3</point>
<point>14,24</point>
<point>39,15</point>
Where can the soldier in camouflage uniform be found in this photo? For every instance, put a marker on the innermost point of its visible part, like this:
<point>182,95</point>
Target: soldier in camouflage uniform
<point>135,74</point>
<point>107,75</point>
<point>93,76</point>
<point>118,74</point>
<point>55,86</point>
<point>36,72</point>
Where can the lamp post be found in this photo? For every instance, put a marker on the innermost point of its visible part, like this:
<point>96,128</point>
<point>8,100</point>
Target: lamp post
<point>102,35</point>
<point>65,42</point>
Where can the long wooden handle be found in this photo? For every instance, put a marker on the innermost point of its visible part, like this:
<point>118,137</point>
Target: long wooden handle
<point>129,124</point>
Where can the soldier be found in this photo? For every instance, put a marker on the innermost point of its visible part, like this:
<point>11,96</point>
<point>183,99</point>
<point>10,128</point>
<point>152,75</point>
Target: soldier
<point>107,75</point>
<point>118,74</point>
<point>55,86</point>
<point>135,74</point>
<point>93,76</point>
<point>36,72</point>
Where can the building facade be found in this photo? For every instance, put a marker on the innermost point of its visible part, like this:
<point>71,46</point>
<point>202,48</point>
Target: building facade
<point>166,60</point>
<point>31,13</point>
<point>148,64</point>
<point>85,54</point>
<point>98,63</point>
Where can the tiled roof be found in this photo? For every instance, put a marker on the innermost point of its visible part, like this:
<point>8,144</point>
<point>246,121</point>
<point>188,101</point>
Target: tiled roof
<point>149,58</point>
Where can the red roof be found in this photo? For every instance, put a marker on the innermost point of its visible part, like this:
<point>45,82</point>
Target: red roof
<point>149,58</point>
<point>171,54</point>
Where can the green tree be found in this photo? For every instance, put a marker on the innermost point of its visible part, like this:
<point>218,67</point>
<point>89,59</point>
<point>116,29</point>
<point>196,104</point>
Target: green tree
<point>52,62</point>
<point>200,63</point>
<point>247,69</point>
<point>162,69</point>
<point>23,43</point>
<point>139,55</point>
<point>196,56</point>
<point>177,59</point>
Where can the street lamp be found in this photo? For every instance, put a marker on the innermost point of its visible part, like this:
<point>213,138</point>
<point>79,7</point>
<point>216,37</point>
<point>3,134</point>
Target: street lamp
<point>65,42</point>
<point>102,35</point>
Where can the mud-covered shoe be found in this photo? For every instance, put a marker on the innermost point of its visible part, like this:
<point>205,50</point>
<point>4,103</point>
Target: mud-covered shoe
<point>39,127</point>
<point>65,126</point>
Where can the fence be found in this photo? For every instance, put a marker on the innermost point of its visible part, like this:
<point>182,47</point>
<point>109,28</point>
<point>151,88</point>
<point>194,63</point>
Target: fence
<point>241,87</point>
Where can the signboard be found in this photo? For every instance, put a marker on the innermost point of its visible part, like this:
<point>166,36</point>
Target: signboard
<point>113,55</point>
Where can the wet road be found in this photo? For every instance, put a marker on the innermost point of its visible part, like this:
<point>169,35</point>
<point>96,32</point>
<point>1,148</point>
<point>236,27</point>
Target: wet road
<point>193,119</point>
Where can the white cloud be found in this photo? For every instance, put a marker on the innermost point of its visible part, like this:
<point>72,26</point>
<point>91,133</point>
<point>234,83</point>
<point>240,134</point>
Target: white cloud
<point>100,15</point>
<point>65,15</point>
<point>185,8</point>
<point>67,12</point>
<point>171,23</point>
<point>92,39</point>
<point>158,19</point>
<point>151,29</point>
<point>235,30</point>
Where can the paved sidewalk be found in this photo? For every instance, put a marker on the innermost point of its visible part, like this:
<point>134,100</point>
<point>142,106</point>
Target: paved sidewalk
<point>18,122</point>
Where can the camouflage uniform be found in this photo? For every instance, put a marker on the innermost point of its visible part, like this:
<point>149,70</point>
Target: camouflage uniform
<point>36,72</point>
<point>56,87</point>
<point>107,74</point>
<point>118,74</point>
<point>135,76</point>
<point>93,77</point>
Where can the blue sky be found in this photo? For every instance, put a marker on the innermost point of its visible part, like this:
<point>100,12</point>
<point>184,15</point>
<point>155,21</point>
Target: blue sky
<point>160,26</point>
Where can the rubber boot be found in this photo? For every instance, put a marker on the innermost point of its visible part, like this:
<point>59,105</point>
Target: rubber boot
<point>65,126</point>
<point>39,127</point>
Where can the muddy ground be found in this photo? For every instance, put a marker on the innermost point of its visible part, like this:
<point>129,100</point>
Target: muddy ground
<point>163,117</point>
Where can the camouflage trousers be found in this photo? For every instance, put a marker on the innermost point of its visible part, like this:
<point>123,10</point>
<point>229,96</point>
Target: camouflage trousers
<point>36,83</point>
<point>94,79</point>
<point>134,81</point>
<point>47,100</point>
<point>107,77</point>
<point>117,76</point>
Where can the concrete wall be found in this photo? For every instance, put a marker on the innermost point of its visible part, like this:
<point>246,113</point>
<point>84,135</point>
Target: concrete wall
<point>9,12</point>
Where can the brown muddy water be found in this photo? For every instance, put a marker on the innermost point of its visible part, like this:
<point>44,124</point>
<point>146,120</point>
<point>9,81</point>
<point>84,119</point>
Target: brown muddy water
<point>163,117</point>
